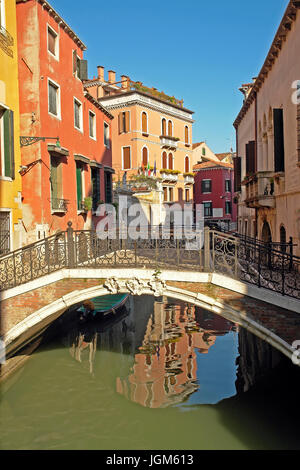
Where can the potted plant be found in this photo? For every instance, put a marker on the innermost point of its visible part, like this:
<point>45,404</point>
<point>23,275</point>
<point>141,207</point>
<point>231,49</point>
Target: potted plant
<point>88,203</point>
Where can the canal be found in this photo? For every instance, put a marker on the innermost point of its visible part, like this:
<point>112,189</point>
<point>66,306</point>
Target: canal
<point>157,374</point>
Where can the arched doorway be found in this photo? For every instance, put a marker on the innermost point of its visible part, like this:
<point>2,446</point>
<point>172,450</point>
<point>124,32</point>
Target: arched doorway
<point>283,239</point>
<point>266,233</point>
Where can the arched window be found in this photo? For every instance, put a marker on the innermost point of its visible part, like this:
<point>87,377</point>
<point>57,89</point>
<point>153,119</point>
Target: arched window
<point>144,123</point>
<point>163,127</point>
<point>170,129</point>
<point>187,164</point>
<point>145,156</point>
<point>186,135</point>
<point>266,233</point>
<point>164,161</point>
<point>170,161</point>
<point>283,239</point>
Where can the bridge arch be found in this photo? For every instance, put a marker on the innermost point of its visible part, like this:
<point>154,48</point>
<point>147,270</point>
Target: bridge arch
<point>32,326</point>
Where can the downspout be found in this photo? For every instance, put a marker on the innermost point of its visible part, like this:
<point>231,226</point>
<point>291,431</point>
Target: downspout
<point>256,148</point>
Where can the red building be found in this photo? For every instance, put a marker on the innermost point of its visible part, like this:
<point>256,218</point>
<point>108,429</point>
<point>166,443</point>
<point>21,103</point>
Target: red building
<point>62,180</point>
<point>214,188</point>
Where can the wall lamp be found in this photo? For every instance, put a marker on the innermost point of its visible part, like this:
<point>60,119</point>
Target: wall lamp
<point>25,141</point>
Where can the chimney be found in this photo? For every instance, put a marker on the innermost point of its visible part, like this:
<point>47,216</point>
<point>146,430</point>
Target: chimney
<point>100,73</point>
<point>111,76</point>
<point>125,82</point>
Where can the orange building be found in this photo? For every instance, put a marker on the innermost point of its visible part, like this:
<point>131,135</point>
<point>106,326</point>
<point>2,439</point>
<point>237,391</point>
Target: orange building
<point>63,180</point>
<point>152,135</point>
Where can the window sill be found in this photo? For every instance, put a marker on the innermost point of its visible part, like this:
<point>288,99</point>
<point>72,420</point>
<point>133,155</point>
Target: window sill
<point>53,55</point>
<point>58,211</point>
<point>78,129</point>
<point>82,212</point>
<point>54,115</point>
<point>6,178</point>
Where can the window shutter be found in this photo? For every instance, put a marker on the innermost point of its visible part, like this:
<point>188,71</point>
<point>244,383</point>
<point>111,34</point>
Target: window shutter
<point>51,41</point>
<point>186,134</point>
<point>164,161</point>
<point>144,123</point>
<point>126,122</point>
<point>187,164</point>
<point>52,99</point>
<point>83,69</point>
<point>121,123</point>
<point>170,129</point>
<point>250,158</point>
<point>79,185</point>
<point>53,179</point>
<point>164,127</point>
<point>278,140</point>
<point>145,156</point>
<point>170,161</point>
<point>9,154</point>
<point>126,158</point>
<point>237,174</point>
<point>74,62</point>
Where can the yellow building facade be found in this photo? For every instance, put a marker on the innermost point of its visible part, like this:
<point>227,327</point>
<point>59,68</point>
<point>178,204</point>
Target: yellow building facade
<point>10,155</point>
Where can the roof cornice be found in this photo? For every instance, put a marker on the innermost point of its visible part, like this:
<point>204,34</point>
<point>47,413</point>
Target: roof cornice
<point>59,20</point>
<point>285,27</point>
<point>98,105</point>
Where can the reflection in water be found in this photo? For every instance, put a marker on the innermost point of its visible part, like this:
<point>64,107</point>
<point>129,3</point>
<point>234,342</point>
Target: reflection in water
<point>164,366</point>
<point>95,386</point>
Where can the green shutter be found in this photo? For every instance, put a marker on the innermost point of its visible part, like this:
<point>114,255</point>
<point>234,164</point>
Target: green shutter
<point>9,153</point>
<point>53,180</point>
<point>79,185</point>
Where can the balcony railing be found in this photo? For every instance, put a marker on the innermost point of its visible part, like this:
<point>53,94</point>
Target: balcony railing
<point>169,176</point>
<point>188,179</point>
<point>59,205</point>
<point>168,142</point>
<point>260,190</point>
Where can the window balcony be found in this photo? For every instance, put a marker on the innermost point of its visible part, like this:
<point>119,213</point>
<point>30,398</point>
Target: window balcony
<point>168,142</point>
<point>170,176</point>
<point>189,178</point>
<point>260,190</point>
<point>59,205</point>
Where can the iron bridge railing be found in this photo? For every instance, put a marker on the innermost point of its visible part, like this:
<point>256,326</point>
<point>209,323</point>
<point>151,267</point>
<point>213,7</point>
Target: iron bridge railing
<point>157,248</point>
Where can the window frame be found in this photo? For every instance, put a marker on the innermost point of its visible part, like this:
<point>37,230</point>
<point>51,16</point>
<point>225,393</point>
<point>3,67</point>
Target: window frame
<point>205,181</point>
<point>2,14</point>
<point>76,100</point>
<point>106,126</point>
<point>228,183</point>
<point>56,47</point>
<point>228,204</point>
<point>210,207</point>
<point>94,137</point>
<point>58,98</point>
<point>145,133</point>
<point>130,166</point>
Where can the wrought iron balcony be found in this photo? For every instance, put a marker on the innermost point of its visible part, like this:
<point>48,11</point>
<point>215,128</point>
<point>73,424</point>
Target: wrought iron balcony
<point>260,190</point>
<point>59,205</point>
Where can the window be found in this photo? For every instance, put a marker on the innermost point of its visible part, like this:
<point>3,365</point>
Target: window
<point>124,122</point>
<point>170,161</point>
<point>186,135</point>
<point>279,164</point>
<point>228,186</point>
<point>80,185</point>
<point>7,153</point>
<point>282,239</point>
<point>5,235</point>
<point>108,187</point>
<point>106,135</point>
<point>170,129</point>
<point>250,158</point>
<point>144,123</point>
<point>206,186</point>
<point>92,125</point>
<point>145,156</point>
<point>187,194</point>
<point>79,67</point>
<point>187,164</point>
<point>208,209</point>
<point>227,207</point>
<point>203,151</point>
<point>163,127</point>
<point>171,194</point>
<point>53,99</point>
<point>2,13</point>
<point>237,173</point>
<point>77,114</point>
<point>164,161</point>
<point>165,189</point>
<point>57,202</point>
<point>95,177</point>
<point>52,41</point>
<point>126,158</point>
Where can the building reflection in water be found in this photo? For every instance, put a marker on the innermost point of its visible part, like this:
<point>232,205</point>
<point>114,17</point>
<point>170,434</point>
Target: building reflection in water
<point>165,367</point>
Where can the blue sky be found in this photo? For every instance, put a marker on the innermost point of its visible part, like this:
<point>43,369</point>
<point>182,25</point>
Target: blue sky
<point>201,51</point>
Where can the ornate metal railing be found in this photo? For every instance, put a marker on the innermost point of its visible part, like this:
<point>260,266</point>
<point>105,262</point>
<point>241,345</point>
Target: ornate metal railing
<point>156,248</point>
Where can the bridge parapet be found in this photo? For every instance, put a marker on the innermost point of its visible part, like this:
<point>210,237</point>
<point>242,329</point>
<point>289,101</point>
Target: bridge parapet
<point>159,248</point>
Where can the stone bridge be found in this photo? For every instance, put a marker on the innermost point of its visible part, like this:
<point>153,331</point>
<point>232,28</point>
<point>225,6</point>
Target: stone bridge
<point>51,276</point>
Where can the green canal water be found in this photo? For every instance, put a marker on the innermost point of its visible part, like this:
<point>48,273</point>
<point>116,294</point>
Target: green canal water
<point>157,375</point>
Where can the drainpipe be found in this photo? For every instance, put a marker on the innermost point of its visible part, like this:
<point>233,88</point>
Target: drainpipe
<point>256,165</point>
